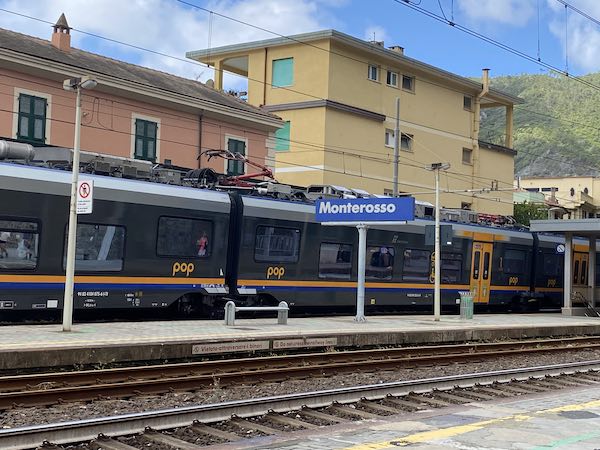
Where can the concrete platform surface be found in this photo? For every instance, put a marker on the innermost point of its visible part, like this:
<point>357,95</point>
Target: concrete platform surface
<point>23,346</point>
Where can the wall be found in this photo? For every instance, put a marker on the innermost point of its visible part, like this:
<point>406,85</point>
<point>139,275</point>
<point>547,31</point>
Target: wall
<point>107,123</point>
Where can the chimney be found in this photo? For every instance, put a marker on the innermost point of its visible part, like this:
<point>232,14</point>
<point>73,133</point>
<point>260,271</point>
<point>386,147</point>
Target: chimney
<point>377,43</point>
<point>486,79</point>
<point>397,49</point>
<point>61,37</point>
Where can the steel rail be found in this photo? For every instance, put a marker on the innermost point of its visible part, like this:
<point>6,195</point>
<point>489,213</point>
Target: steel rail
<point>88,429</point>
<point>189,381</point>
<point>82,377</point>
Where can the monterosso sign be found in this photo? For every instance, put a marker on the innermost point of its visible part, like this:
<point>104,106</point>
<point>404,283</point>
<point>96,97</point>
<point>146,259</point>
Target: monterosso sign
<point>365,210</point>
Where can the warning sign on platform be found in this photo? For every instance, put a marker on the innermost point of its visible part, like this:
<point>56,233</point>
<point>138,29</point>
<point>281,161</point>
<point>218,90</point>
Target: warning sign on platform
<point>85,197</point>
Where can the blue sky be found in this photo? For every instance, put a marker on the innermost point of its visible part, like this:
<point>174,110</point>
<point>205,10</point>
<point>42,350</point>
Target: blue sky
<point>171,27</point>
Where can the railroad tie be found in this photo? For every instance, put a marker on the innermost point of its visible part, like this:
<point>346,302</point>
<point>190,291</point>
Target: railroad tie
<point>588,377</point>
<point>215,432</point>
<point>322,416</point>
<point>479,393</point>
<point>105,443</point>
<point>243,423</point>
<point>343,409</point>
<point>513,389</point>
<point>377,407</point>
<point>405,403</point>
<point>430,401</point>
<point>286,420</point>
<point>165,439</point>
<point>452,397</point>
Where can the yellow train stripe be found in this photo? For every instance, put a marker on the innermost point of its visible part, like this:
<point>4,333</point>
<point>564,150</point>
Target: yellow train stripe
<point>342,284</point>
<point>108,279</point>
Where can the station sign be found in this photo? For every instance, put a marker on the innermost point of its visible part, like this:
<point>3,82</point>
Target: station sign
<point>85,196</point>
<point>365,210</point>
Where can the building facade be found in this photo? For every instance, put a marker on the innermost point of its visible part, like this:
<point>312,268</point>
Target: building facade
<point>337,95</point>
<point>133,112</point>
<point>568,197</point>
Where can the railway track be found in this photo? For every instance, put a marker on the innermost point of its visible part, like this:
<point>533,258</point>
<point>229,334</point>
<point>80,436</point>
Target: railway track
<point>59,387</point>
<point>279,417</point>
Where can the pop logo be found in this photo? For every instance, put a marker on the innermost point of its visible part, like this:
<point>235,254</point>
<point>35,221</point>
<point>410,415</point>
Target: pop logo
<point>275,272</point>
<point>186,268</point>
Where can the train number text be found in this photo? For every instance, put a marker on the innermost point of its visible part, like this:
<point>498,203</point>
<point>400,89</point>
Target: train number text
<point>551,282</point>
<point>513,281</point>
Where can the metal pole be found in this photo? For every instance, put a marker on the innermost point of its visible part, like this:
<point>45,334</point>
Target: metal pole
<point>72,237</point>
<point>396,147</point>
<point>436,291</point>
<point>360,288</point>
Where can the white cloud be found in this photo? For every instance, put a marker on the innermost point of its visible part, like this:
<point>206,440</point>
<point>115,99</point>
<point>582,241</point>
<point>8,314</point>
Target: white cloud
<point>583,36</point>
<point>166,26</point>
<point>375,33</point>
<point>507,12</point>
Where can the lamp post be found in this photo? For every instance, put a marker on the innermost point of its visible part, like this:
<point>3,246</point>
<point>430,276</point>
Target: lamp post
<point>436,167</point>
<point>73,84</point>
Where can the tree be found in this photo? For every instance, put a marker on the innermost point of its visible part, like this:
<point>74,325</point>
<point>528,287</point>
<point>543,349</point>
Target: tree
<point>526,212</point>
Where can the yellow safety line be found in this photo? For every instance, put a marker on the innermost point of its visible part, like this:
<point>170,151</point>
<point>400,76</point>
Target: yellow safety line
<point>432,435</point>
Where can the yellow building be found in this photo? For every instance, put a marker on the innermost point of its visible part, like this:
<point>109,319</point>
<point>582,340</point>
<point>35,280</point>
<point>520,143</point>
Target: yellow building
<point>569,197</point>
<point>337,95</point>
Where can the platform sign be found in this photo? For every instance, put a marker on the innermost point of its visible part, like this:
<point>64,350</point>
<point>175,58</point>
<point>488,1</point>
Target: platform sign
<point>85,196</point>
<point>365,210</point>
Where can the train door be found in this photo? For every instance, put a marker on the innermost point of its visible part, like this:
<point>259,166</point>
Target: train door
<point>481,273</point>
<point>580,269</point>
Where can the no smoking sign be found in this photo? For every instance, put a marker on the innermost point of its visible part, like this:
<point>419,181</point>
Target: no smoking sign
<point>85,197</point>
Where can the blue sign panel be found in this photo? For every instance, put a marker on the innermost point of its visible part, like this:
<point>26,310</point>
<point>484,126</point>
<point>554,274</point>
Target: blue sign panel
<point>365,210</point>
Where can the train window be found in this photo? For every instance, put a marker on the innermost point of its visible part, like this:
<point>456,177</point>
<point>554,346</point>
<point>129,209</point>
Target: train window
<point>451,267</point>
<point>335,260</point>
<point>18,244</point>
<point>274,244</point>
<point>584,272</point>
<point>486,265</point>
<point>380,262</point>
<point>99,248</point>
<point>576,271</point>
<point>551,265</point>
<point>476,262</point>
<point>416,265</point>
<point>514,261</point>
<point>188,238</point>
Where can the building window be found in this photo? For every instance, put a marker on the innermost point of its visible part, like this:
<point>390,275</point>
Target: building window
<point>389,138</point>
<point>283,72</point>
<point>274,244</point>
<point>550,189</point>
<point>532,189</point>
<point>188,238</point>
<point>408,83</point>
<point>236,146</point>
<point>335,261</point>
<point>406,142</point>
<point>32,118</point>
<point>99,248</point>
<point>373,73</point>
<point>392,79</point>
<point>468,102</point>
<point>467,153</point>
<point>145,139</point>
<point>466,205</point>
<point>282,138</point>
<point>18,245</point>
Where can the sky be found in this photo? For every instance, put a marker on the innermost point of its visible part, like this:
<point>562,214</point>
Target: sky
<point>541,29</point>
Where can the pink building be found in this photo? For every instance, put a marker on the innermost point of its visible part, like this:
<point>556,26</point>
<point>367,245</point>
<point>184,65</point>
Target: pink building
<point>133,112</point>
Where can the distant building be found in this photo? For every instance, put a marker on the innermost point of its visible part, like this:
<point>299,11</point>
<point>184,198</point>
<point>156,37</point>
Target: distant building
<point>337,96</point>
<point>134,112</point>
<point>569,197</point>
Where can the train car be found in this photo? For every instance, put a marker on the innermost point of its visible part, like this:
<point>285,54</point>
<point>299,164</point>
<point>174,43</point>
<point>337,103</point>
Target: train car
<point>285,255</point>
<point>145,245</point>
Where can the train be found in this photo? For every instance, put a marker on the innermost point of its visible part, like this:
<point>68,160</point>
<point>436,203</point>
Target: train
<point>173,249</point>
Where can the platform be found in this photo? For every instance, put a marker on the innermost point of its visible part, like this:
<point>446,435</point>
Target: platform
<point>27,346</point>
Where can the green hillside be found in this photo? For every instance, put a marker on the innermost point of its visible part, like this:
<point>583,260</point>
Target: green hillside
<point>556,130</point>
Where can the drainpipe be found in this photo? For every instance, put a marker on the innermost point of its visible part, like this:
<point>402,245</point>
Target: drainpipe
<point>200,140</point>
<point>476,113</point>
